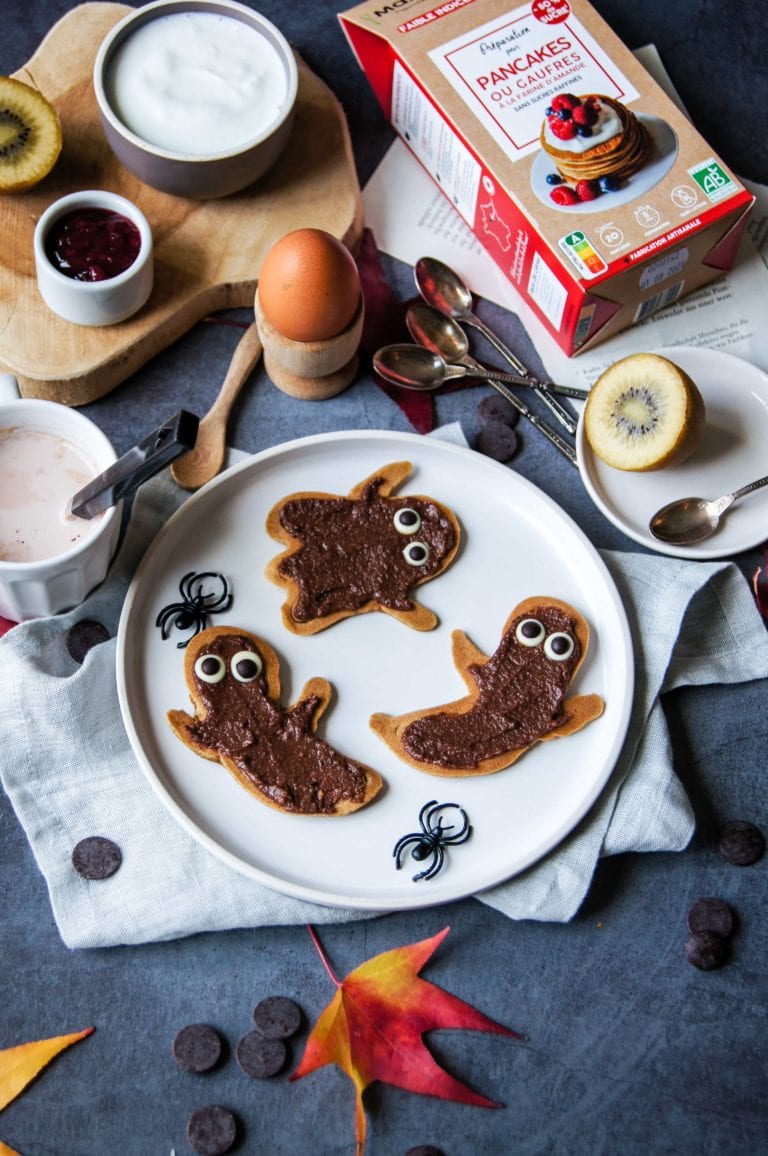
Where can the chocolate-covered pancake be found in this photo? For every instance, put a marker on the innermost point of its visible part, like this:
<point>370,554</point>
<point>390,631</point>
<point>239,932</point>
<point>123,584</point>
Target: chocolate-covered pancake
<point>517,697</point>
<point>351,554</point>
<point>234,683</point>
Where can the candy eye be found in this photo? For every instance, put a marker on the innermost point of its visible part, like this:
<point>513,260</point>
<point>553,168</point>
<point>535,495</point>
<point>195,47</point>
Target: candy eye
<point>416,553</point>
<point>407,521</point>
<point>530,632</point>
<point>246,665</point>
<point>210,668</point>
<point>559,646</point>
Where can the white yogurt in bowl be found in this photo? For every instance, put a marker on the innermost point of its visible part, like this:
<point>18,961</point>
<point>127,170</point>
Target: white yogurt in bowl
<point>197,83</point>
<point>196,97</point>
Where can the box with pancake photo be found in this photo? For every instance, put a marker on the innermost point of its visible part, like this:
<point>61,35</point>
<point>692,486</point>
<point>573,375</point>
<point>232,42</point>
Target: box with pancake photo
<point>580,177</point>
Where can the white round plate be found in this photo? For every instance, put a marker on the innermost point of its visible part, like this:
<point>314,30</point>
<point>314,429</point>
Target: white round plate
<point>734,451</point>
<point>516,543</point>
<point>659,163</point>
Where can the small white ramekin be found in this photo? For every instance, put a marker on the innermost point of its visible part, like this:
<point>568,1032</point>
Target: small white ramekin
<point>95,302</point>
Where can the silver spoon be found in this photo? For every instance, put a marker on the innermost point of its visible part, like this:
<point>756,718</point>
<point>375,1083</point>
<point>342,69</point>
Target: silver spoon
<point>690,520</point>
<point>441,334</point>
<point>442,287</point>
<point>415,367</point>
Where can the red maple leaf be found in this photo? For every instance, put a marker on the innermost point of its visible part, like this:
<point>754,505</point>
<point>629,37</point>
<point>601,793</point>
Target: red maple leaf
<point>384,323</point>
<point>373,1027</point>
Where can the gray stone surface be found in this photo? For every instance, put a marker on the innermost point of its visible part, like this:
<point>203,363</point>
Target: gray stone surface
<point>630,1049</point>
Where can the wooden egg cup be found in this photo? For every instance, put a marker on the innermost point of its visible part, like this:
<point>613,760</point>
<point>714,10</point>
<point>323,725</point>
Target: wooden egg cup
<point>310,370</point>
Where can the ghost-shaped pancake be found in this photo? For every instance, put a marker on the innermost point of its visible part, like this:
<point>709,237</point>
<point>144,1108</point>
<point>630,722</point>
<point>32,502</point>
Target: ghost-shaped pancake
<point>233,678</point>
<point>351,554</point>
<point>517,697</point>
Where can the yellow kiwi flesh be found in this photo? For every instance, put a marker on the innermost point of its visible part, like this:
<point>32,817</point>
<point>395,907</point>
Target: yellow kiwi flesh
<point>644,413</point>
<point>30,136</point>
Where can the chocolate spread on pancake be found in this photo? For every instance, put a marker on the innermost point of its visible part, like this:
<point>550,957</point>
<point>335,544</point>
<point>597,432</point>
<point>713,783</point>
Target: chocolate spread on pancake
<point>520,699</point>
<point>271,745</point>
<point>352,552</point>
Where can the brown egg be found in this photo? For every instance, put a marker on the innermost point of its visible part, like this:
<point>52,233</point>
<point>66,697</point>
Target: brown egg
<point>309,287</point>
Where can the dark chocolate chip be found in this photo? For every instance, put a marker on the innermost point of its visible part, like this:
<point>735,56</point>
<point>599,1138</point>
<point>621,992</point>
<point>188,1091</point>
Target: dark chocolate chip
<point>196,1048</point>
<point>96,857</point>
<point>277,1017</point>
<point>706,950</point>
<point>82,635</point>
<point>741,843</point>
<point>711,915</point>
<point>425,1150</point>
<point>497,441</point>
<point>212,1130</point>
<point>259,1056</point>
<point>496,408</point>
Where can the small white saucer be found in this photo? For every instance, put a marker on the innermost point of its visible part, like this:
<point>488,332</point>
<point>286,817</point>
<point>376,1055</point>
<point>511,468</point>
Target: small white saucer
<point>734,451</point>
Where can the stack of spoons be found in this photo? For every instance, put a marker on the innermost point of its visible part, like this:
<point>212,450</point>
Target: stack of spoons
<point>442,353</point>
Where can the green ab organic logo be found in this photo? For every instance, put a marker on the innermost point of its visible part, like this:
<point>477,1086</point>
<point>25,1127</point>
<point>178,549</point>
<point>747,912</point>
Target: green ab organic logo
<point>712,179</point>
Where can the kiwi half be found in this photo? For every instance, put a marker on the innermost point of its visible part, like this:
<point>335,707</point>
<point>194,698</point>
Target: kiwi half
<point>30,136</point>
<point>644,413</point>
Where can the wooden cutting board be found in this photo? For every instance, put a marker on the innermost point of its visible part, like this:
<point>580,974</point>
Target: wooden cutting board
<point>207,253</point>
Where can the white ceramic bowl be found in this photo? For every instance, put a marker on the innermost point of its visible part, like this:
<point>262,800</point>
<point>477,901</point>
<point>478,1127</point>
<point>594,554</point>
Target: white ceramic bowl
<point>94,302</point>
<point>51,585</point>
<point>178,167</point>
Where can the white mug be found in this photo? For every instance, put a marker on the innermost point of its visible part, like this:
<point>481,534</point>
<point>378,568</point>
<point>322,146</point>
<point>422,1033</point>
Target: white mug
<point>50,585</point>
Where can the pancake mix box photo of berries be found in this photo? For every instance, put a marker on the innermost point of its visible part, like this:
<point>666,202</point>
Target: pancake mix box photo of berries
<point>584,182</point>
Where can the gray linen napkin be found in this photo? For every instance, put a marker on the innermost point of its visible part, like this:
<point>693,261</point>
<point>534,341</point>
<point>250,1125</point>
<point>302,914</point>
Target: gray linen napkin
<point>692,623</point>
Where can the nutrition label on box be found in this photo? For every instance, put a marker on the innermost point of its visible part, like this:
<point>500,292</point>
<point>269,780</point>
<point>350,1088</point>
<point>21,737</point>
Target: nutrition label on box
<point>508,70</point>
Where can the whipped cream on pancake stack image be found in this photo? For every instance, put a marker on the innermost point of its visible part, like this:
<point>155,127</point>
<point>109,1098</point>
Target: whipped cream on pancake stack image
<point>596,145</point>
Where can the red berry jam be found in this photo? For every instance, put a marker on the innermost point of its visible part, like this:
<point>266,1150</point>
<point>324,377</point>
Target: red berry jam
<point>92,244</point>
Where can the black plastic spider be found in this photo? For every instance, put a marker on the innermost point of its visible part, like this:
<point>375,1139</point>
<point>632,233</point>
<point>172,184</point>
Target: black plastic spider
<point>193,610</point>
<point>432,838</point>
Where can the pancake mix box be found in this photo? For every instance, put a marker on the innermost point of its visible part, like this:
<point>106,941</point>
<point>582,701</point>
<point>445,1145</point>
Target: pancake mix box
<point>579,176</point>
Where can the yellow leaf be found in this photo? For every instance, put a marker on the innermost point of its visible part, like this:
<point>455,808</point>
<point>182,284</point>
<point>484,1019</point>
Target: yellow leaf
<point>20,1065</point>
<point>6,1150</point>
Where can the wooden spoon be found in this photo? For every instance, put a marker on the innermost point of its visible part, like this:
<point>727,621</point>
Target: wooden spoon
<point>203,462</point>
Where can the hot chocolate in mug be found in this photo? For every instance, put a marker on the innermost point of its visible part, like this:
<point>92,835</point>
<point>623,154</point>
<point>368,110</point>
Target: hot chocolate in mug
<point>49,559</point>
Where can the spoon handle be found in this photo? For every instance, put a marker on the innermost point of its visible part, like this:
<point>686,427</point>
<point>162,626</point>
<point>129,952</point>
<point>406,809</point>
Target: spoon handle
<point>244,361</point>
<point>540,387</point>
<point>543,390</point>
<point>206,459</point>
<point>552,435</point>
<point>749,488</point>
<point>566,419</point>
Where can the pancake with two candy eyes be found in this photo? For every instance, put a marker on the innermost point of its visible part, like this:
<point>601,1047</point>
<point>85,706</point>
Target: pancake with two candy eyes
<point>360,552</point>
<point>516,698</point>
<point>233,678</point>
